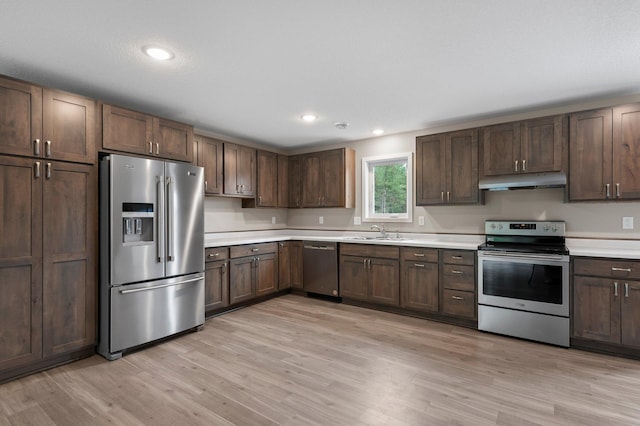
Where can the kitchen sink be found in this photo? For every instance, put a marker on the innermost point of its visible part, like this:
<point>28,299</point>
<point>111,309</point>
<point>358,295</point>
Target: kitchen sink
<point>378,238</point>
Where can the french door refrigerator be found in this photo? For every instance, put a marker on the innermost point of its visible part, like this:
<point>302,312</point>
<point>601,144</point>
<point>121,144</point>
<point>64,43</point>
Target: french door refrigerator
<point>151,251</point>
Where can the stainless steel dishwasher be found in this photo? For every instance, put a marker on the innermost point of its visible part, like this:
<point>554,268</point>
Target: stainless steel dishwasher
<point>320,268</point>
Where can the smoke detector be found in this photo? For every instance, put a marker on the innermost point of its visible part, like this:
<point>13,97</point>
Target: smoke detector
<point>341,125</point>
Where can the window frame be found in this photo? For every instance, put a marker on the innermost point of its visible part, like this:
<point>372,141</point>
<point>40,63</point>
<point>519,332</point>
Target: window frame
<point>368,215</point>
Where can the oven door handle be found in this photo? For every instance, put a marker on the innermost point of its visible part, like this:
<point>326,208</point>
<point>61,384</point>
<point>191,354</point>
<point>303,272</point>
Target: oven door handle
<point>487,254</point>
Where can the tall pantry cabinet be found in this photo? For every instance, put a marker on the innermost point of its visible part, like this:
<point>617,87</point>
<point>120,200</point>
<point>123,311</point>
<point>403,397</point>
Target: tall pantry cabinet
<point>48,224</point>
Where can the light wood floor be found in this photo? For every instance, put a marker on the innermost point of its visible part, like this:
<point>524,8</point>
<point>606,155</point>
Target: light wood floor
<point>295,360</point>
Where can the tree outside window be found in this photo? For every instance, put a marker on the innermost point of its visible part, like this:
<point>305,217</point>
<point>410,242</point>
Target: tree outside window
<point>387,188</point>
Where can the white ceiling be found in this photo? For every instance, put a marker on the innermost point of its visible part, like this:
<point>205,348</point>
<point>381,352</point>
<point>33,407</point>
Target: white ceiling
<point>249,69</point>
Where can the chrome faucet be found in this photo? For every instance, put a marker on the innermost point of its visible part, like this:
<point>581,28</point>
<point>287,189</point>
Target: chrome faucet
<point>383,233</point>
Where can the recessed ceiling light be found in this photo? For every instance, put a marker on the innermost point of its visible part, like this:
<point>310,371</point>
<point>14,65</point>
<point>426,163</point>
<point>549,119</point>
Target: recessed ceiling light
<point>309,118</point>
<point>377,132</point>
<point>157,53</point>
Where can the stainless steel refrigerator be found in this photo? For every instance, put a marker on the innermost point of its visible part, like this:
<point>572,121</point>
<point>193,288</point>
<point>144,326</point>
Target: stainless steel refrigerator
<point>151,251</point>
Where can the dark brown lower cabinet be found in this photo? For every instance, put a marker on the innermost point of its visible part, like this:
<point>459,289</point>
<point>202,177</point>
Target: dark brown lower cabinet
<point>606,302</point>
<point>253,271</point>
<point>241,281</point>
<point>48,251</point>
<point>296,252</point>
<point>284,265</point>
<point>458,282</point>
<point>419,283</point>
<point>266,274</point>
<point>216,279</point>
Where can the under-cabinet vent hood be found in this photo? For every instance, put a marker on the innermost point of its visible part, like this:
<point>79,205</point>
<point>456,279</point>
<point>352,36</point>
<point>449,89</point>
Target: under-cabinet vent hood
<point>524,181</point>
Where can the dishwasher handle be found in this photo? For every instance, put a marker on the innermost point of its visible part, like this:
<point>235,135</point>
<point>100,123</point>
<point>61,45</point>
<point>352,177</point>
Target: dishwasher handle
<point>319,247</point>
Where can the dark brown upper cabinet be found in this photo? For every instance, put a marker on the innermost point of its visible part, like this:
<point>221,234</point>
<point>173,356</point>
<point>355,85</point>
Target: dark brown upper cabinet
<point>531,146</point>
<point>239,170</point>
<point>137,133</point>
<point>46,123</point>
<point>447,168</point>
<point>295,181</point>
<point>272,181</point>
<point>209,155</point>
<point>604,154</point>
<point>328,179</point>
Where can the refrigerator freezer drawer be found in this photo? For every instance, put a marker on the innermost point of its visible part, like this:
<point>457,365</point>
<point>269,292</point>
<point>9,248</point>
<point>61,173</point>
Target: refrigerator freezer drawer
<point>146,312</point>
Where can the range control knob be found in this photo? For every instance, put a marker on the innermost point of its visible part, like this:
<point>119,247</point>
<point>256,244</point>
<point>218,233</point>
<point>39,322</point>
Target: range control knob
<point>554,228</point>
<point>546,227</point>
<point>493,226</point>
<point>500,226</point>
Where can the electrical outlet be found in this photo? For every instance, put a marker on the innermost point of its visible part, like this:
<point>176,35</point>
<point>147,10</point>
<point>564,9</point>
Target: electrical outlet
<point>357,220</point>
<point>627,222</point>
<point>273,220</point>
<point>421,220</point>
<point>321,220</point>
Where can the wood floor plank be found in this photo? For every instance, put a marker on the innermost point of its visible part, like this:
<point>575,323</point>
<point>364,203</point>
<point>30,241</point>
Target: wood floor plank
<point>302,361</point>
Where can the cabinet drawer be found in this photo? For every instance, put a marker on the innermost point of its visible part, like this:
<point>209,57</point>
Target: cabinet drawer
<point>458,303</point>
<point>419,254</point>
<point>609,268</point>
<point>253,249</point>
<point>216,253</point>
<point>459,257</point>
<point>459,277</point>
<point>367,250</point>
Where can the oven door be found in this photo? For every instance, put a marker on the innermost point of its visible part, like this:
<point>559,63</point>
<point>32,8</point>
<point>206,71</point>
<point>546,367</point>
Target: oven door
<point>524,282</point>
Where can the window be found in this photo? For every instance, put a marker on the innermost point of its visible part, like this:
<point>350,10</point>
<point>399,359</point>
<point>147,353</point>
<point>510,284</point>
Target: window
<point>386,188</point>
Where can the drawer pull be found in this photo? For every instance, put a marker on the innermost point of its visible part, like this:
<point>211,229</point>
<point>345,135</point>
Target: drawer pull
<point>613,268</point>
<point>213,254</point>
<point>456,257</point>
<point>418,254</point>
<point>457,298</point>
<point>255,250</point>
<point>615,289</point>
<point>418,265</point>
<point>455,271</point>
<point>626,289</point>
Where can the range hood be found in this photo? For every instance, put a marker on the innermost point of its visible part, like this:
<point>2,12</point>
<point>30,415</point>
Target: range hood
<point>524,181</point>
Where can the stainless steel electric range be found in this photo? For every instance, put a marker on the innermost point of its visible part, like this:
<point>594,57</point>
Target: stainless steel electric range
<point>523,281</point>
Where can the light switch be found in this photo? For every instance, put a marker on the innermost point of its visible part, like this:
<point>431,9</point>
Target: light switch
<point>321,220</point>
<point>627,222</point>
<point>273,220</point>
<point>357,220</point>
<point>421,220</point>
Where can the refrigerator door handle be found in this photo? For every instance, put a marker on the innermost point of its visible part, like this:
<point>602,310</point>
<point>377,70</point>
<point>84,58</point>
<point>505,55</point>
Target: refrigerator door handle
<point>159,226</point>
<point>136,290</point>
<point>169,220</point>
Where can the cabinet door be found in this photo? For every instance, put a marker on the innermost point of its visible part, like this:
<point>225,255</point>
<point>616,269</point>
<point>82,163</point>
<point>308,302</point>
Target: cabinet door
<point>247,170</point>
<point>173,140</point>
<point>20,118</point>
<point>630,313</point>
<point>420,286</point>
<point>542,144</point>
<point>353,277</point>
<point>626,152</point>
<point>283,181</point>
<point>596,309</point>
<point>462,167</point>
<point>231,159</point>
<point>69,127</point>
<point>267,186</point>
<point>266,274</point>
<point>384,281</point>
<point>295,181</point>
<point>241,279</point>
<point>284,265</point>
<point>296,248</point>
<point>70,249</point>
<point>311,185</point>
<point>127,131</point>
<point>501,149</point>
<point>20,263</point>
<point>216,285</point>
<point>590,155</point>
<point>210,157</point>
<point>430,170</point>
<point>332,178</point>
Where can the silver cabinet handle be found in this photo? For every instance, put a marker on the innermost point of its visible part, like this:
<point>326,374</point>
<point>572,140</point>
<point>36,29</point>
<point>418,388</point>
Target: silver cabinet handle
<point>205,186</point>
<point>223,269</point>
<point>48,170</point>
<point>213,255</point>
<point>169,221</point>
<point>47,145</point>
<point>626,289</point>
<point>457,257</point>
<point>418,254</point>
<point>516,165</point>
<point>524,165</point>
<point>259,200</point>
<point>36,147</point>
<point>37,169</point>
<point>441,195</point>
<point>615,289</point>
<point>607,189</point>
<point>448,196</point>
<point>419,265</point>
<point>157,148</point>
<point>613,268</point>
<point>136,290</point>
<point>364,263</point>
<point>255,249</point>
<point>150,147</point>
<point>618,195</point>
<point>457,298</point>
<point>369,263</point>
<point>454,271</point>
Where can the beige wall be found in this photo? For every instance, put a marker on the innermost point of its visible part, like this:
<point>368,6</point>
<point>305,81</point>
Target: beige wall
<point>594,220</point>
